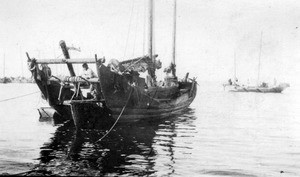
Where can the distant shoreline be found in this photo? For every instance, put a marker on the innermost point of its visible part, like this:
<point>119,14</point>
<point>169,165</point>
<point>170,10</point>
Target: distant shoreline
<point>18,79</point>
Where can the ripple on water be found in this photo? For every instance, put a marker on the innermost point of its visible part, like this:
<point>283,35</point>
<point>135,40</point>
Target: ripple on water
<point>224,134</point>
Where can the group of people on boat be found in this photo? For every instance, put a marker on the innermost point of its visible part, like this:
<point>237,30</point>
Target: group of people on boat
<point>115,66</point>
<point>234,82</point>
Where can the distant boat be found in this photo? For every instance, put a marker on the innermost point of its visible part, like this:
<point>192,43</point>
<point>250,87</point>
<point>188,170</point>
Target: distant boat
<point>263,87</point>
<point>4,80</point>
<point>119,91</point>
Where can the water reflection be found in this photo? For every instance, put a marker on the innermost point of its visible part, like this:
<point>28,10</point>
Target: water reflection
<point>130,149</point>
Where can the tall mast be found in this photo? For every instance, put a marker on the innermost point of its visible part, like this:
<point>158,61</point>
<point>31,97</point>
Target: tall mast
<point>3,65</point>
<point>174,42</point>
<point>22,72</point>
<point>150,29</point>
<point>144,28</point>
<point>151,70</point>
<point>258,73</point>
<point>234,65</point>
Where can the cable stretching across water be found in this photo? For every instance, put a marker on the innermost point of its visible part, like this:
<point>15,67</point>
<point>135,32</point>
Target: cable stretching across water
<point>19,96</point>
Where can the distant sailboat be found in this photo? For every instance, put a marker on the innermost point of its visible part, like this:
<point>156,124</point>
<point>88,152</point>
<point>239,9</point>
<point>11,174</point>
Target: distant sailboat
<point>4,79</point>
<point>234,80</point>
<point>262,87</point>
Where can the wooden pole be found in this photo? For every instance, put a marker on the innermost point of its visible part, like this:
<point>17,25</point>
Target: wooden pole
<point>150,29</point>
<point>98,86</point>
<point>63,61</point>
<point>67,56</point>
<point>144,28</point>
<point>258,73</point>
<point>235,66</point>
<point>151,70</point>
<point>22,71</point>
<point>3,65</point>
<point>174,41</point>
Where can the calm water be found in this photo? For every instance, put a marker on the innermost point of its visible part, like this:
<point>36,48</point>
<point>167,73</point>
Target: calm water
<point>222,134</point>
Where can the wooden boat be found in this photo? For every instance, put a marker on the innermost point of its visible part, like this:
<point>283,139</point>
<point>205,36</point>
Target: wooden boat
<point>154,101</point>
<point>118,91</point>
<point>263,87</point>
<point>4,80</point>
<point>260,89</point>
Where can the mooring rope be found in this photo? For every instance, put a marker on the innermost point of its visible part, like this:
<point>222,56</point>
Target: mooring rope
<point>19,96</point>
<point>118,117</point>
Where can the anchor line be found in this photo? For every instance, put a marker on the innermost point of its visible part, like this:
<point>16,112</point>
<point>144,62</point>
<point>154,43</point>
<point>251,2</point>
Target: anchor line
<point>19,96</point>
<point>127,101</point>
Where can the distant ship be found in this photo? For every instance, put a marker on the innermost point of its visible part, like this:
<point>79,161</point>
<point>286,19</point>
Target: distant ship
<point>263,87</point>
<point>4,80</point>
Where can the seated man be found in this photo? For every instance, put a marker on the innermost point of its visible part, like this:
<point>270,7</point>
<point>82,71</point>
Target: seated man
<point>87,72</point>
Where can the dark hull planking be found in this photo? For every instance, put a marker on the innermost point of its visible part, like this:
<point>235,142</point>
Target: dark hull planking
<point>152,103</point>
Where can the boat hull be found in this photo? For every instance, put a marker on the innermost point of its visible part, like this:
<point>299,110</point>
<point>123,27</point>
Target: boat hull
<point>116,95</point>
<point>133,115</point>
<point>276,89</point>
<point>140,103</point>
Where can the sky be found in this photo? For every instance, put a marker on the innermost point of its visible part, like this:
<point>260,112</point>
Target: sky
<point>209,34</point>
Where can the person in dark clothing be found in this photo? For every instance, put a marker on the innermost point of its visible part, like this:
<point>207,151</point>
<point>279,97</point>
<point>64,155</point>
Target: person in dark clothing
<point>230,82</point>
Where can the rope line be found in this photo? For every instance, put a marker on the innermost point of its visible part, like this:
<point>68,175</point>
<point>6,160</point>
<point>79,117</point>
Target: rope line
<point>144,28</point>
<point>128,32</point>
<point>135,32</point>
<point>19,96</point>
<point>118,117</point>
<point>132,64</point>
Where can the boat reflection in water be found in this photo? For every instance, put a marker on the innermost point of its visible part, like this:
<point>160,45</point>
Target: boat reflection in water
<point>129,149</point>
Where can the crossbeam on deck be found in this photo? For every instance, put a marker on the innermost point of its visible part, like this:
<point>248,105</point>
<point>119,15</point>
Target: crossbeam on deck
<point>64,61</point>
<point>69,102</point>
<point>91,80</point>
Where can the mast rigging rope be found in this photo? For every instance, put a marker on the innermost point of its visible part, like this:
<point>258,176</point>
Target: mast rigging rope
<point>135,32</point>
<point>129,27</point>
<point>19,96</point>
